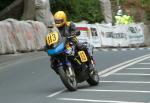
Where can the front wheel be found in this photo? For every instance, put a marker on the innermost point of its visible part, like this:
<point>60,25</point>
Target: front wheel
<point>68,78</point>
<point>93,78</point>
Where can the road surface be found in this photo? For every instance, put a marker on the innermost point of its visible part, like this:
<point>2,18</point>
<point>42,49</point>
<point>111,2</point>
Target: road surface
<point>124,78</point>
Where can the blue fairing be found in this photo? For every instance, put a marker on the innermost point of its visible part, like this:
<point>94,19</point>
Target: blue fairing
<point>57,50</point>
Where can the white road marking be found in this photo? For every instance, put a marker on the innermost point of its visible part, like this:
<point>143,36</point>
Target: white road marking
<point>138,68</point>
<point>56,93</point>
<point>133,49</point>
<point>109,70</point>
<point>124,49</point>
<point>141,48</point>
<point>134,74</point>
<point>95,101</point>
<point>116,91</point>
<point>124,66</point>
<point>114,49</point>
<point>144,63</point>
<point>104,49</point>
<point>132,82</point>
<point>121,64</point>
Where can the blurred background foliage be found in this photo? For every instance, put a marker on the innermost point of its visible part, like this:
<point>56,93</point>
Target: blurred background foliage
<point>78,10</point>
<point>4,3</point>
<point>140,9</point>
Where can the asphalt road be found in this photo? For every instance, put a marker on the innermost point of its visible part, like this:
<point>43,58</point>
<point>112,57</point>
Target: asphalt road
<point>125,78</point>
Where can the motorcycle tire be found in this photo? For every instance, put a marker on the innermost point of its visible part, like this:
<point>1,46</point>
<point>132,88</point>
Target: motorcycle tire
<point>69,82</point>
<point>93,79</point>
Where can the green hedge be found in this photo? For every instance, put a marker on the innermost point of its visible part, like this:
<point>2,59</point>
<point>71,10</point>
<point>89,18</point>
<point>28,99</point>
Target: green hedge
<point>5,3</point>
<point>78,10</point>
<point>146,5</point>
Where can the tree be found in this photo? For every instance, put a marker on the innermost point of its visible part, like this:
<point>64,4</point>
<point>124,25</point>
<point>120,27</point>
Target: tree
<point>14,9</point>
<point>78,10</point>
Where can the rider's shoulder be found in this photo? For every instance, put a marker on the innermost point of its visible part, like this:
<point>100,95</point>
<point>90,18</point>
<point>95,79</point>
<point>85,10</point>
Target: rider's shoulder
<point>69,23</point>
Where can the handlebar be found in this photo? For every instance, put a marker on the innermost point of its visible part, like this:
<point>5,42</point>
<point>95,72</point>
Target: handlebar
<point>72,36</point>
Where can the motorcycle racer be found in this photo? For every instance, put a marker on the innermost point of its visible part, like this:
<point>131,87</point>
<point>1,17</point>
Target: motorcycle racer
<point>67,29</point>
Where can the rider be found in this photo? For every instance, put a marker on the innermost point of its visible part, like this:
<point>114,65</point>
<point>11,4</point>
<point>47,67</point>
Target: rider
<point>69,29</point>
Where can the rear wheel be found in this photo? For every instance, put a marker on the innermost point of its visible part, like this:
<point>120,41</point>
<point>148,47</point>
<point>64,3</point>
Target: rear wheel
<point>68,78</point>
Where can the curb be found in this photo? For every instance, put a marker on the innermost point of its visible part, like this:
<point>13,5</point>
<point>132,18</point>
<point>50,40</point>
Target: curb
<point>120,49</point>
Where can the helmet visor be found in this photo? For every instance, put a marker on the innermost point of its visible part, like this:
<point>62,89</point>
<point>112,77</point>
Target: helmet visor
<point>59,21</point>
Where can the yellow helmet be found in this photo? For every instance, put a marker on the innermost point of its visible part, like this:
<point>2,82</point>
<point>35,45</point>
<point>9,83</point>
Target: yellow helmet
<point>60,18</point>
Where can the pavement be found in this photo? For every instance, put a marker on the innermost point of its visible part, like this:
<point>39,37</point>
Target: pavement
<point>13,59</point>
<point>18,56</point>
<point>124,78</point>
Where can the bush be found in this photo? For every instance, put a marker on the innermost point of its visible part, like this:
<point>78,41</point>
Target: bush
<point>145,5</point>
<point>5,3</point>
<point>78,10</point>
<point>140,9</point>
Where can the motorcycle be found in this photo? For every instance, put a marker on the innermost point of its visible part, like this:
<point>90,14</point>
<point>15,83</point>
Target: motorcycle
<point>70,72</point>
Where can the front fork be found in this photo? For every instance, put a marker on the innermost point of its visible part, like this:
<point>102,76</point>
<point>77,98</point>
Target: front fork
<point>67,67</point>
<point>71,73</point>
